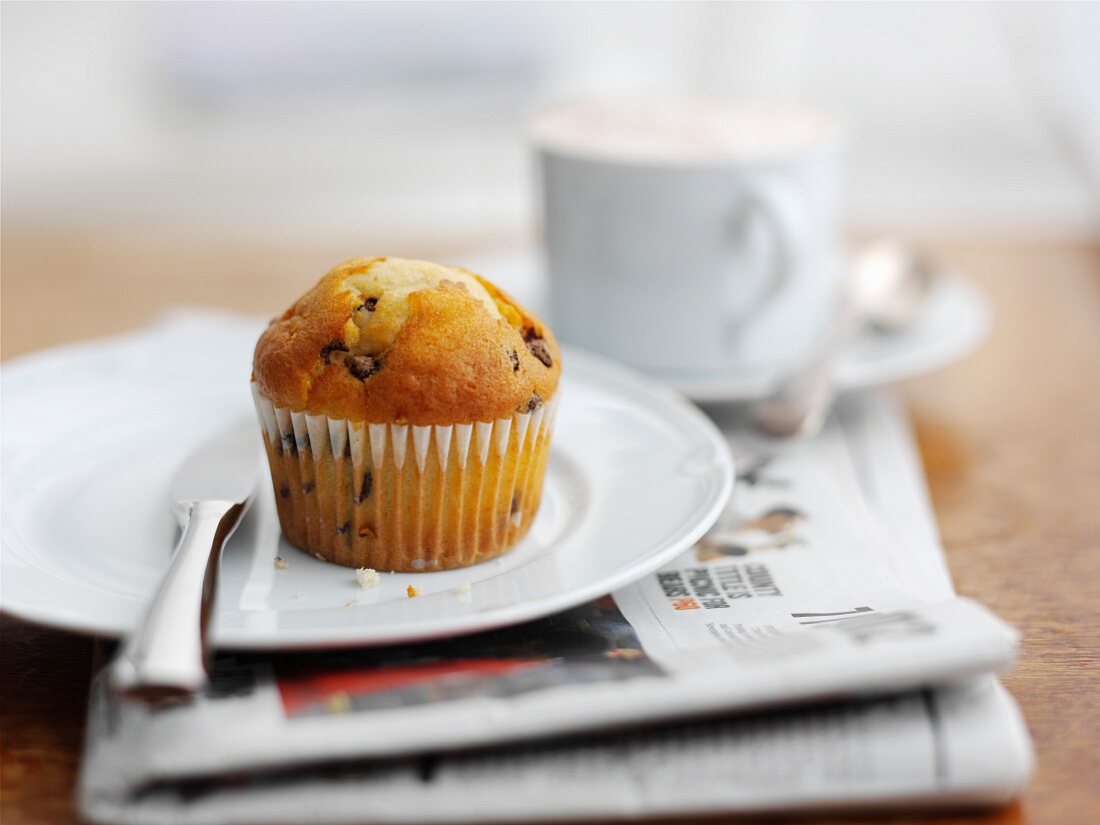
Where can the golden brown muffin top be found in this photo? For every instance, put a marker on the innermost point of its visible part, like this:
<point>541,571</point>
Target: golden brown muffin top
<point>390,340</point>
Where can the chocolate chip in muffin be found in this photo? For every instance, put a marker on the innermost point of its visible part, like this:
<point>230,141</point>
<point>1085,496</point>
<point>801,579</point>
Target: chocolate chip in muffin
<point>328,349</point>
<point>538,347</point>
<point>364,366</point>
<point>307,488</point>
<point>284,492</point>
<point>290,445</point>
<point>343,528</point>
<point>365,488</point>
<point>532,404</point>
<point>515,505</point>
<point>361,316</point>
<point>539,350</point>
<point>367,532</point>
<point>513,356</point>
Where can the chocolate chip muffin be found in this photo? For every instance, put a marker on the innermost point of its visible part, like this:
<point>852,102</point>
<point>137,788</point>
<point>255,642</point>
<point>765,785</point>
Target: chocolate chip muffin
<point>406,409</point>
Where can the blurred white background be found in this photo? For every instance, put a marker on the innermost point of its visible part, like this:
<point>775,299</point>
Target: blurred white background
<point>409,118</point>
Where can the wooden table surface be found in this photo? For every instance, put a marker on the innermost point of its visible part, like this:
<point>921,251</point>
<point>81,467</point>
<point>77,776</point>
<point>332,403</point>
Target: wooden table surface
<point>1010,439</point>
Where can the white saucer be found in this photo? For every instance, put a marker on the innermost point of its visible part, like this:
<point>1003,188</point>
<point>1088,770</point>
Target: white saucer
<point>93,433</point>
<point>955,320</point>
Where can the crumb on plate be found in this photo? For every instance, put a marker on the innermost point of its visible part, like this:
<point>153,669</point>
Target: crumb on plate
<point>412,592</point>
<point>280,563</point>
<point>367,577</point>
<point>463,588</point>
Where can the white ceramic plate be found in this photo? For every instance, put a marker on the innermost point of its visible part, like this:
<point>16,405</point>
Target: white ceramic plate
<point>92,434</point>
<point>953,323</point>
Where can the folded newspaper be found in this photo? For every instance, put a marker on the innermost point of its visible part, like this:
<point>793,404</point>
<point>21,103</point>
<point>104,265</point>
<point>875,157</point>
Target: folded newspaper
<point>809,653</point>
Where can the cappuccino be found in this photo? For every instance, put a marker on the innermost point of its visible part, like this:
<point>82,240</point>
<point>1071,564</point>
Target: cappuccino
<point>691,237</point>
<point>686,130</point>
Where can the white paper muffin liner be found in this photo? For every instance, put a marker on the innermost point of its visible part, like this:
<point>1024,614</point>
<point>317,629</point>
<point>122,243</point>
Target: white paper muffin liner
<point>405,497</point>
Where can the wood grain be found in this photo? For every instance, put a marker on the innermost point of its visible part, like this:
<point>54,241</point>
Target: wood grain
<point>1010,438</point>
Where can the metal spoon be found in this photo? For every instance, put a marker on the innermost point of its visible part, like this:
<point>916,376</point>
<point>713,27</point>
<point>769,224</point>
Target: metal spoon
<point>888,286</point>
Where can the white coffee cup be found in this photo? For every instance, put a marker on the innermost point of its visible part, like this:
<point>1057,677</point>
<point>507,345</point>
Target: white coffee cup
<point>691,237</point>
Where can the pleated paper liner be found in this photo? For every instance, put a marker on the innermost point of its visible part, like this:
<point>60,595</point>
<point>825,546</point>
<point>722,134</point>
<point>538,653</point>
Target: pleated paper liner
<point>402,497</point>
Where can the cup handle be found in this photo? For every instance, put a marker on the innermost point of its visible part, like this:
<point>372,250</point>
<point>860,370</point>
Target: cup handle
<point>785,216</point>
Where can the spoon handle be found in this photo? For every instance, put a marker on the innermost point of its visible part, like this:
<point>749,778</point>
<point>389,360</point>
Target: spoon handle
<point>801,400</point>
<point>166,657</point>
